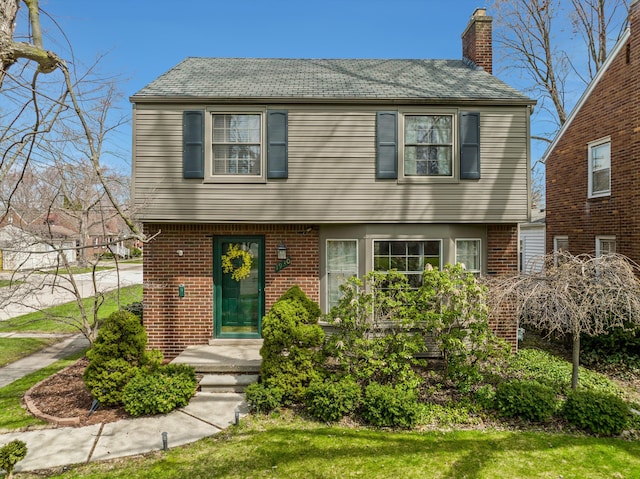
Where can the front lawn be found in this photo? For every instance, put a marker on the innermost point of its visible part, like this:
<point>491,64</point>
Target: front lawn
<point>12,349</point>
<point>280,447</point>
<point>41,321</point>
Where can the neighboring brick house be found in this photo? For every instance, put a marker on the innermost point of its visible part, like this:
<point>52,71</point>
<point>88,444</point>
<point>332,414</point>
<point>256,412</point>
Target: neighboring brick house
<point>316,170</point>
<point>593,181</point>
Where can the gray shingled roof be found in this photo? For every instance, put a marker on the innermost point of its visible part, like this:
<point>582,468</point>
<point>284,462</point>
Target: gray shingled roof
<point>362,79</point>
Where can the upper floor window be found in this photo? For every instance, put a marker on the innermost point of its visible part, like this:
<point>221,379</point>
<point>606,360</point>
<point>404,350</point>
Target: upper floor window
<point>600,168</point>
<point>407,257</point>
<point>237,144</point>
<point>428,145</point>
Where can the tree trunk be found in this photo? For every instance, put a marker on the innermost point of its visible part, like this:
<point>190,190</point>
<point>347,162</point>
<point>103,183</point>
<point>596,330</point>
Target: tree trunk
<point>576,360</point>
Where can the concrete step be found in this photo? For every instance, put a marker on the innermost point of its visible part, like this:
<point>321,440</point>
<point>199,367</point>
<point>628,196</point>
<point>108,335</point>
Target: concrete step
<point>226,383</point>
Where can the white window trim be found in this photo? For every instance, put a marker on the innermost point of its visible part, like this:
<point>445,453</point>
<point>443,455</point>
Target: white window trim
<point>479,240</point>
<point>455,175</point>
<point>555,247</point>
<point>208,142</point>
<point>604,238</point>
<point>590,146</point>
<point>326,263</point>
<point>404,240</point>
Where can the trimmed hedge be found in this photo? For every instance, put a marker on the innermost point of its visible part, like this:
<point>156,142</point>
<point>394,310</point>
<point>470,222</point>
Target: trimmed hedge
<point>598,413</point>
<point>389,406</point>
<point>528,400</point>
<point>331,400</point>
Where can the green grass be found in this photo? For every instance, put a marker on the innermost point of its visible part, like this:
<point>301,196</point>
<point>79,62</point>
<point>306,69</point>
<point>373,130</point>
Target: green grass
<point>7,282</point>
<point>279,448</point>
<point>41,321</point>
<point>12,349</point>
<point>12,414</point>
<point>75,270</point>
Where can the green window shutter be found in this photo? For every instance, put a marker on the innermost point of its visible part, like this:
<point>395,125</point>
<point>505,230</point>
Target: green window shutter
<point>387,145</point>
<point>470,145</point>
<point>193,144</point>
<point>277,136</point>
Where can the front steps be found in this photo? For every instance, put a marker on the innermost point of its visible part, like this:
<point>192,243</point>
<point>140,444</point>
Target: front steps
<point>226,365</point>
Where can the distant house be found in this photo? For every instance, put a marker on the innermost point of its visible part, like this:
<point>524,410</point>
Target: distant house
<point>592,190</point>
<point>23,250</point>
<point>307,171</point>
<point>532,242</point>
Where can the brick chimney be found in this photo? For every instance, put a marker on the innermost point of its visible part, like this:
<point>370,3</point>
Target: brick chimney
<point>477,40</point>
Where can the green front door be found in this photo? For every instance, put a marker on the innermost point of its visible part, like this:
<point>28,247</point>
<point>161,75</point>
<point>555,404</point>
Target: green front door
<point>238,278</point>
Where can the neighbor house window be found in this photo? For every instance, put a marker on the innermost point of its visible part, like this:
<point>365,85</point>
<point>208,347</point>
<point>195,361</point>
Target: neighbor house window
<point>468,254</point>
<point>600,168</point>
<point>407,257</point>
<point>342,263</point>
<point>237,144</point>
<point>605,245</point>
<point>428,145</point>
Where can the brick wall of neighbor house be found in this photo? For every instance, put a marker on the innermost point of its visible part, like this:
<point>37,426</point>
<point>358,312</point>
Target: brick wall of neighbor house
<point>502,258</point>
<point>612,109</point>
<point>173,323</point>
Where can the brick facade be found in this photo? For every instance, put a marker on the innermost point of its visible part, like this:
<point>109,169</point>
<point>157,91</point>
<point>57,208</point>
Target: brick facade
<point>611,110</point>
<point>477,40</point>
<point>502,258</point>
<point>173,323</point>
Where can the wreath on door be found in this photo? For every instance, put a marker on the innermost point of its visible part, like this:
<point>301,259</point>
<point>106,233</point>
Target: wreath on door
<point>237,262</point>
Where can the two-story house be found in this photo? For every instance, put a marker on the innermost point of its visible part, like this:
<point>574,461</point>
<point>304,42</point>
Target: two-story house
<point>253,175</point>
<point>593,193</point>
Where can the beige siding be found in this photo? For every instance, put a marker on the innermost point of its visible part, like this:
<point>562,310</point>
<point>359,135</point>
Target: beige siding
<point>331,175</point>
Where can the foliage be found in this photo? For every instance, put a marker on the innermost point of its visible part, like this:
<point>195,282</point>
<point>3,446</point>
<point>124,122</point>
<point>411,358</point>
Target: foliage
<point>453,413</point>
<point>617,346</point>
<point>528,400</point>
<point>599,413</point>
<point>136,252</point>
<point>295,293</point>
<point>263,398</point>
<point>373,341</point>
<point>331,400</point>
<point>291,353</point>
<point>485,396</point>
<point>450,306</point>
<point>136,308</point>
<point>574,296</point>
<point>159,390</point>
<point>237,262</point>
<point>116,355</point>
<point>12,453</point>
<point>540,366</point>
<point>384,405</point>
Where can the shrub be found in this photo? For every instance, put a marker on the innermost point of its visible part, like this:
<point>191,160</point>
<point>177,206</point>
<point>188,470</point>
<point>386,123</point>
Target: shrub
<point>116,355</point>
<point>295,293</point>
<point>159,390</point>
<point>389,406</point>
<point>525,399</point>
<point>263,398</point>
<point>136,308</point>
<point>291,349</point>
<point>12,453</point>
<point>598,413</point>
<point>618,346</point>
<point>331,400</point>
<point>485,396</point>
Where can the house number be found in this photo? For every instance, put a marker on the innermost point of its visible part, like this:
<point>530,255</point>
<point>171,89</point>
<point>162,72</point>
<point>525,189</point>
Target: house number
<point>283,264</point>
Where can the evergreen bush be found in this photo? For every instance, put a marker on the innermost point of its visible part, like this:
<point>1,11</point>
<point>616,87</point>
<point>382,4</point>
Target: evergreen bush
<point>528,400</point>
<point>332,399</point>
<point>12,453</point>
<point>159,390</point>
<point>598,413</point>
<point>390,406</point>
<point>263,398</point>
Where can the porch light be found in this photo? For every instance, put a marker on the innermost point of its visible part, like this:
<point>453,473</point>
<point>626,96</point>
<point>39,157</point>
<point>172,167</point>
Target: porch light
<point>282,251</point>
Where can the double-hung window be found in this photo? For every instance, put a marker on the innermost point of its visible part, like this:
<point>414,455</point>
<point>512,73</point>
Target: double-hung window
<point>407,257</point>
<point>468,253</point>
<point>600,168</point>
<point>342,263</point>
<point>428,145</point>
<point>237,144</point>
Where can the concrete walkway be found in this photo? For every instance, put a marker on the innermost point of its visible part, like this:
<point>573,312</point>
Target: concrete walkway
<point>205,415</point>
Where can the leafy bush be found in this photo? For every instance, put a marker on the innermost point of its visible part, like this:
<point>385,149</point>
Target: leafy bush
<point>485,396</point>
<point>599,413</point>
<point>12,453</point>
<point>159,390</point>
<point>389,406</point>
<point>136,308</point>
<point>451,414</point>
<point>381,349</point>
<point>263,398</point>
<point>116,355</point>
<point>541,366</point>
<point>618,346</point>
<point>291,353</point>
<point>295,293</point>
<point>331,400</point>
<point>525,399</point>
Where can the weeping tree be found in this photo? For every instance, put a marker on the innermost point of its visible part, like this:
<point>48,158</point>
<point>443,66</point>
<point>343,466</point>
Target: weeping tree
<point>574,295</point>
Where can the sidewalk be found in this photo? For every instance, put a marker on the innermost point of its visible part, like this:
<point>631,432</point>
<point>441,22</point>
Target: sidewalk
<point>205,415</point>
